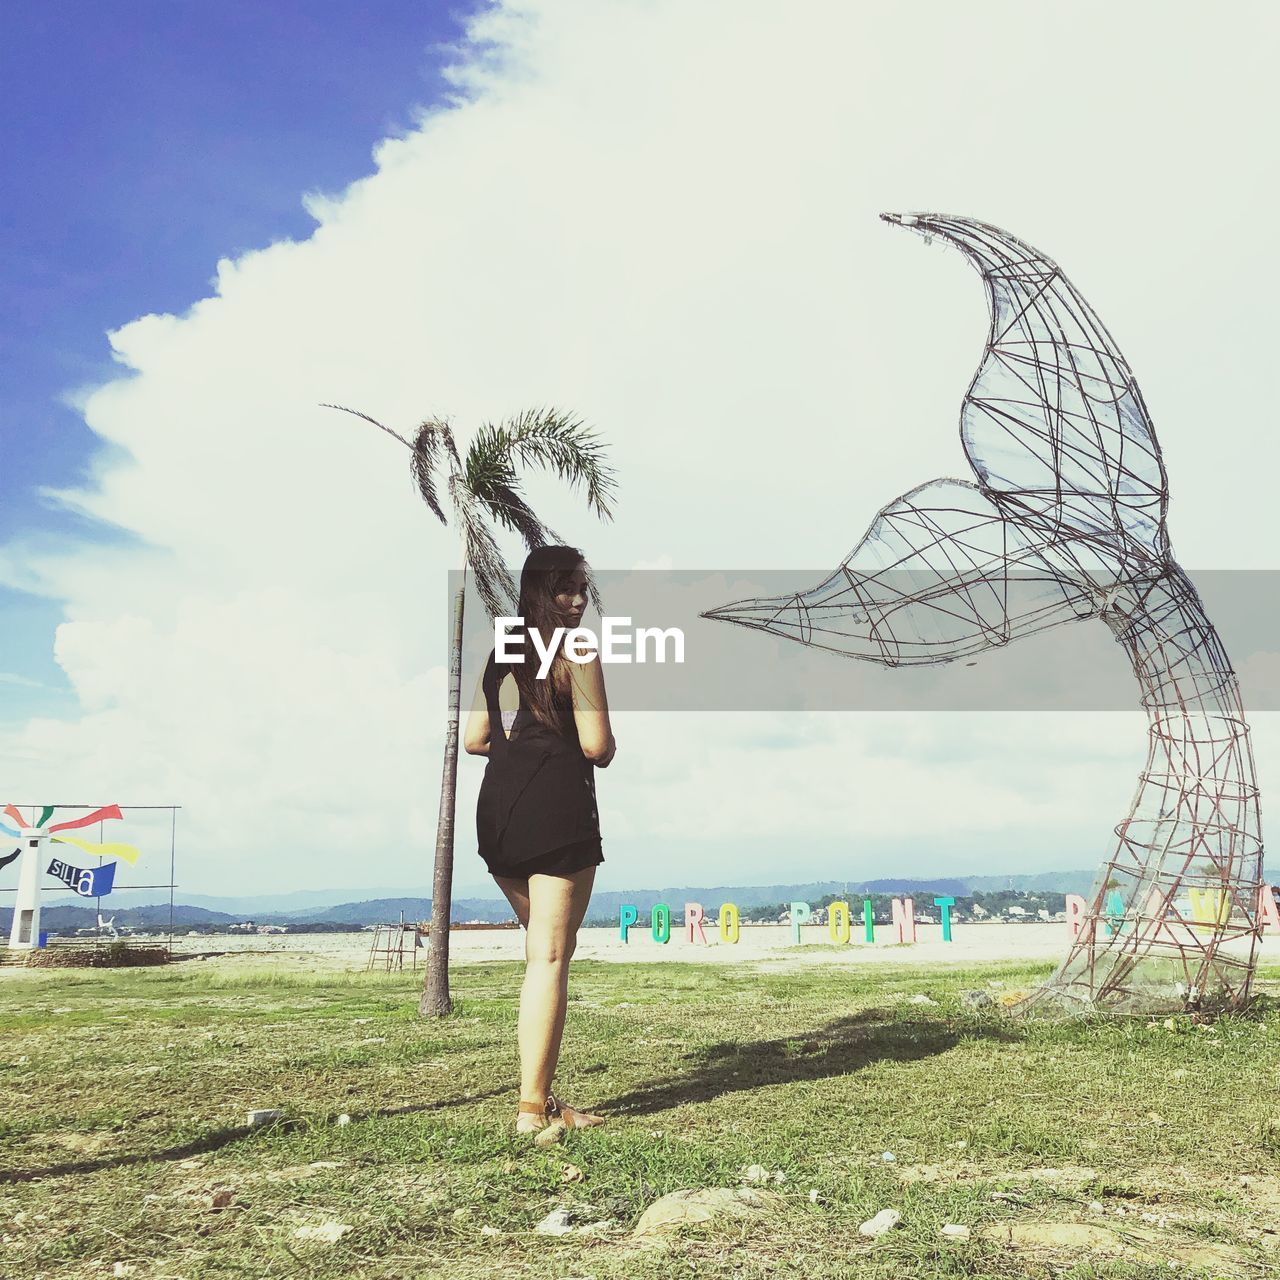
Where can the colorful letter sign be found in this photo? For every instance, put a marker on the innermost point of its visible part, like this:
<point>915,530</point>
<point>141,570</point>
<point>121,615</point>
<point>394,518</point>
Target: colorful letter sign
<point>904,919</point>
<point>1075,909</point>
<point>660,922</point>
<point>628,914</point>
<point>838,922</point>
<point>693,918</point>
<point>1268,911</point>
<point>945,905</point>
<point>799,914</point>
<point>1206,907</point>
<point>729,928</point>
<point>1210,908</point>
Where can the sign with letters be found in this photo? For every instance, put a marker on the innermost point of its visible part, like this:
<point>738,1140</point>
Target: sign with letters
<point>88,882</point>
<point>1206,910</point>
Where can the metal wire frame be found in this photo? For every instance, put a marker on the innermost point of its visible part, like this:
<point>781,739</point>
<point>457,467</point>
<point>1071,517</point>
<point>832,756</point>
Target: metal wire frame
<point>1067,521</point>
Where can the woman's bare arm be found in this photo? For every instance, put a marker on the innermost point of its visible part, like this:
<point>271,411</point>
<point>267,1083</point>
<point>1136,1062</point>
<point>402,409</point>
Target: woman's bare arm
<point>475,740</point>
<point>591,711</point>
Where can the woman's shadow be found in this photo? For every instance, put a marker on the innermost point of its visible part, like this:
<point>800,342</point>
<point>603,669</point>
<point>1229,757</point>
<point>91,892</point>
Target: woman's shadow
<point>838,1048</point>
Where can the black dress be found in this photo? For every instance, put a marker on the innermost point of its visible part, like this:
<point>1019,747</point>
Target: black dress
<point>537,806</point>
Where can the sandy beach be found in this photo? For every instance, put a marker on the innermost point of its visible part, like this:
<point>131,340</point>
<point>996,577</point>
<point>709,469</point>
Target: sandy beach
<point>761,946</point>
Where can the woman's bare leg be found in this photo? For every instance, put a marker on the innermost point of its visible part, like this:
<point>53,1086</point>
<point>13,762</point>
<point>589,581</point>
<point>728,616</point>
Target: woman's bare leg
<point>516,892</point>
<point>553,910</point>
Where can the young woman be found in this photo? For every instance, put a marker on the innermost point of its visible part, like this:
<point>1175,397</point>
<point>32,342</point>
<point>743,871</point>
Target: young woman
<point>536,818</point>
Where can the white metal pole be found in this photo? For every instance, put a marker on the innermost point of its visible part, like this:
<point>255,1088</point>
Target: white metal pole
<point>25,933</point>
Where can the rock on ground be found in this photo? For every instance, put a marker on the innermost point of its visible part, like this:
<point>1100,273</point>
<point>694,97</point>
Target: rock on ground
<point>559,1222</point>
<point>703,1205</point>
<point>884,1221</point>
<point>1137,1243</point>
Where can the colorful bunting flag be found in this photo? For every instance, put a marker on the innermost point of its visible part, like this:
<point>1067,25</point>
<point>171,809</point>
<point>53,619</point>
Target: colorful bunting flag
<point>98,815</point>
<point>124,851</point>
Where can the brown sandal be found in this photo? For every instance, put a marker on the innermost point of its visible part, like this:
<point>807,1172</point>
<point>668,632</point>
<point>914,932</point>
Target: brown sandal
<point>538,1109</point>
<point>569,1116</point>
<point>552,1110</point>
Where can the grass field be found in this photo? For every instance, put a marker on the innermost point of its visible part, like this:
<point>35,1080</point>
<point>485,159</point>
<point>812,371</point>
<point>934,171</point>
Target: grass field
<point>1112,1149</point>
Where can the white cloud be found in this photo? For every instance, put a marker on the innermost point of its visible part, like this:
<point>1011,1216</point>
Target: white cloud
<point>664,217</point>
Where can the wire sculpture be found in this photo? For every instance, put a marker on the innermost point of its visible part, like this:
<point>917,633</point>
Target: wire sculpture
<point>1067,522</point>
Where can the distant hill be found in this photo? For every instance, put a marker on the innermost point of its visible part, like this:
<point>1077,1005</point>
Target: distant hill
<point>300,901</point>
<point>147,917</point>
<point>1043,882</point>
<point>387,911</point>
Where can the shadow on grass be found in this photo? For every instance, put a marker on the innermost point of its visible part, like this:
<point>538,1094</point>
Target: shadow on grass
<point>220,1138</point>
<point>838,1048</point>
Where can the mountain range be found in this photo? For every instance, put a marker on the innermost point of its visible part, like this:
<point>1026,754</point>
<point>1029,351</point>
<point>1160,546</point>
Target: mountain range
<point>337,907</point>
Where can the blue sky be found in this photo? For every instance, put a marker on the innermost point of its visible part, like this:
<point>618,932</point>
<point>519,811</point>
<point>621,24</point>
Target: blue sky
<point>144,140</point>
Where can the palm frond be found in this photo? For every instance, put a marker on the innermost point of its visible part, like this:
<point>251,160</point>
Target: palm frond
<point>546,438</point>
<point>432,439</point>
<point>507,505</point>
<point>365,416</point>
<point>484,557</point>
<point>492,479</point>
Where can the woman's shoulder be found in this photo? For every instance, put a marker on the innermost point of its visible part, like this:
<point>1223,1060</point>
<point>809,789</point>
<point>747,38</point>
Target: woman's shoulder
<point>585,676</point>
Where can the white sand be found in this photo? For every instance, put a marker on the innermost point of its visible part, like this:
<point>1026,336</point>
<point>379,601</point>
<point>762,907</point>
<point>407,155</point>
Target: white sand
<point>772,945</point>
<point>761,948</point>
<point>767,947</point>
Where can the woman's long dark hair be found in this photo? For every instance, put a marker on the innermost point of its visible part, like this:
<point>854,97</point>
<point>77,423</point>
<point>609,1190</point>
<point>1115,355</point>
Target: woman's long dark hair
<point>546,572</point>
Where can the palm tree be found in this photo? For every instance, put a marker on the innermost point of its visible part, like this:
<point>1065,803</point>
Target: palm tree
<point>482,487</point>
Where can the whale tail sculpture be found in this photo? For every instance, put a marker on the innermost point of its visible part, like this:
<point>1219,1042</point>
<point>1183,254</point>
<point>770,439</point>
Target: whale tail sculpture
<point>1067,522</point>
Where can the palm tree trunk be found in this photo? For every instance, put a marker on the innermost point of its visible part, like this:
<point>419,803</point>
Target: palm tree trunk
<point>435,1002</point>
